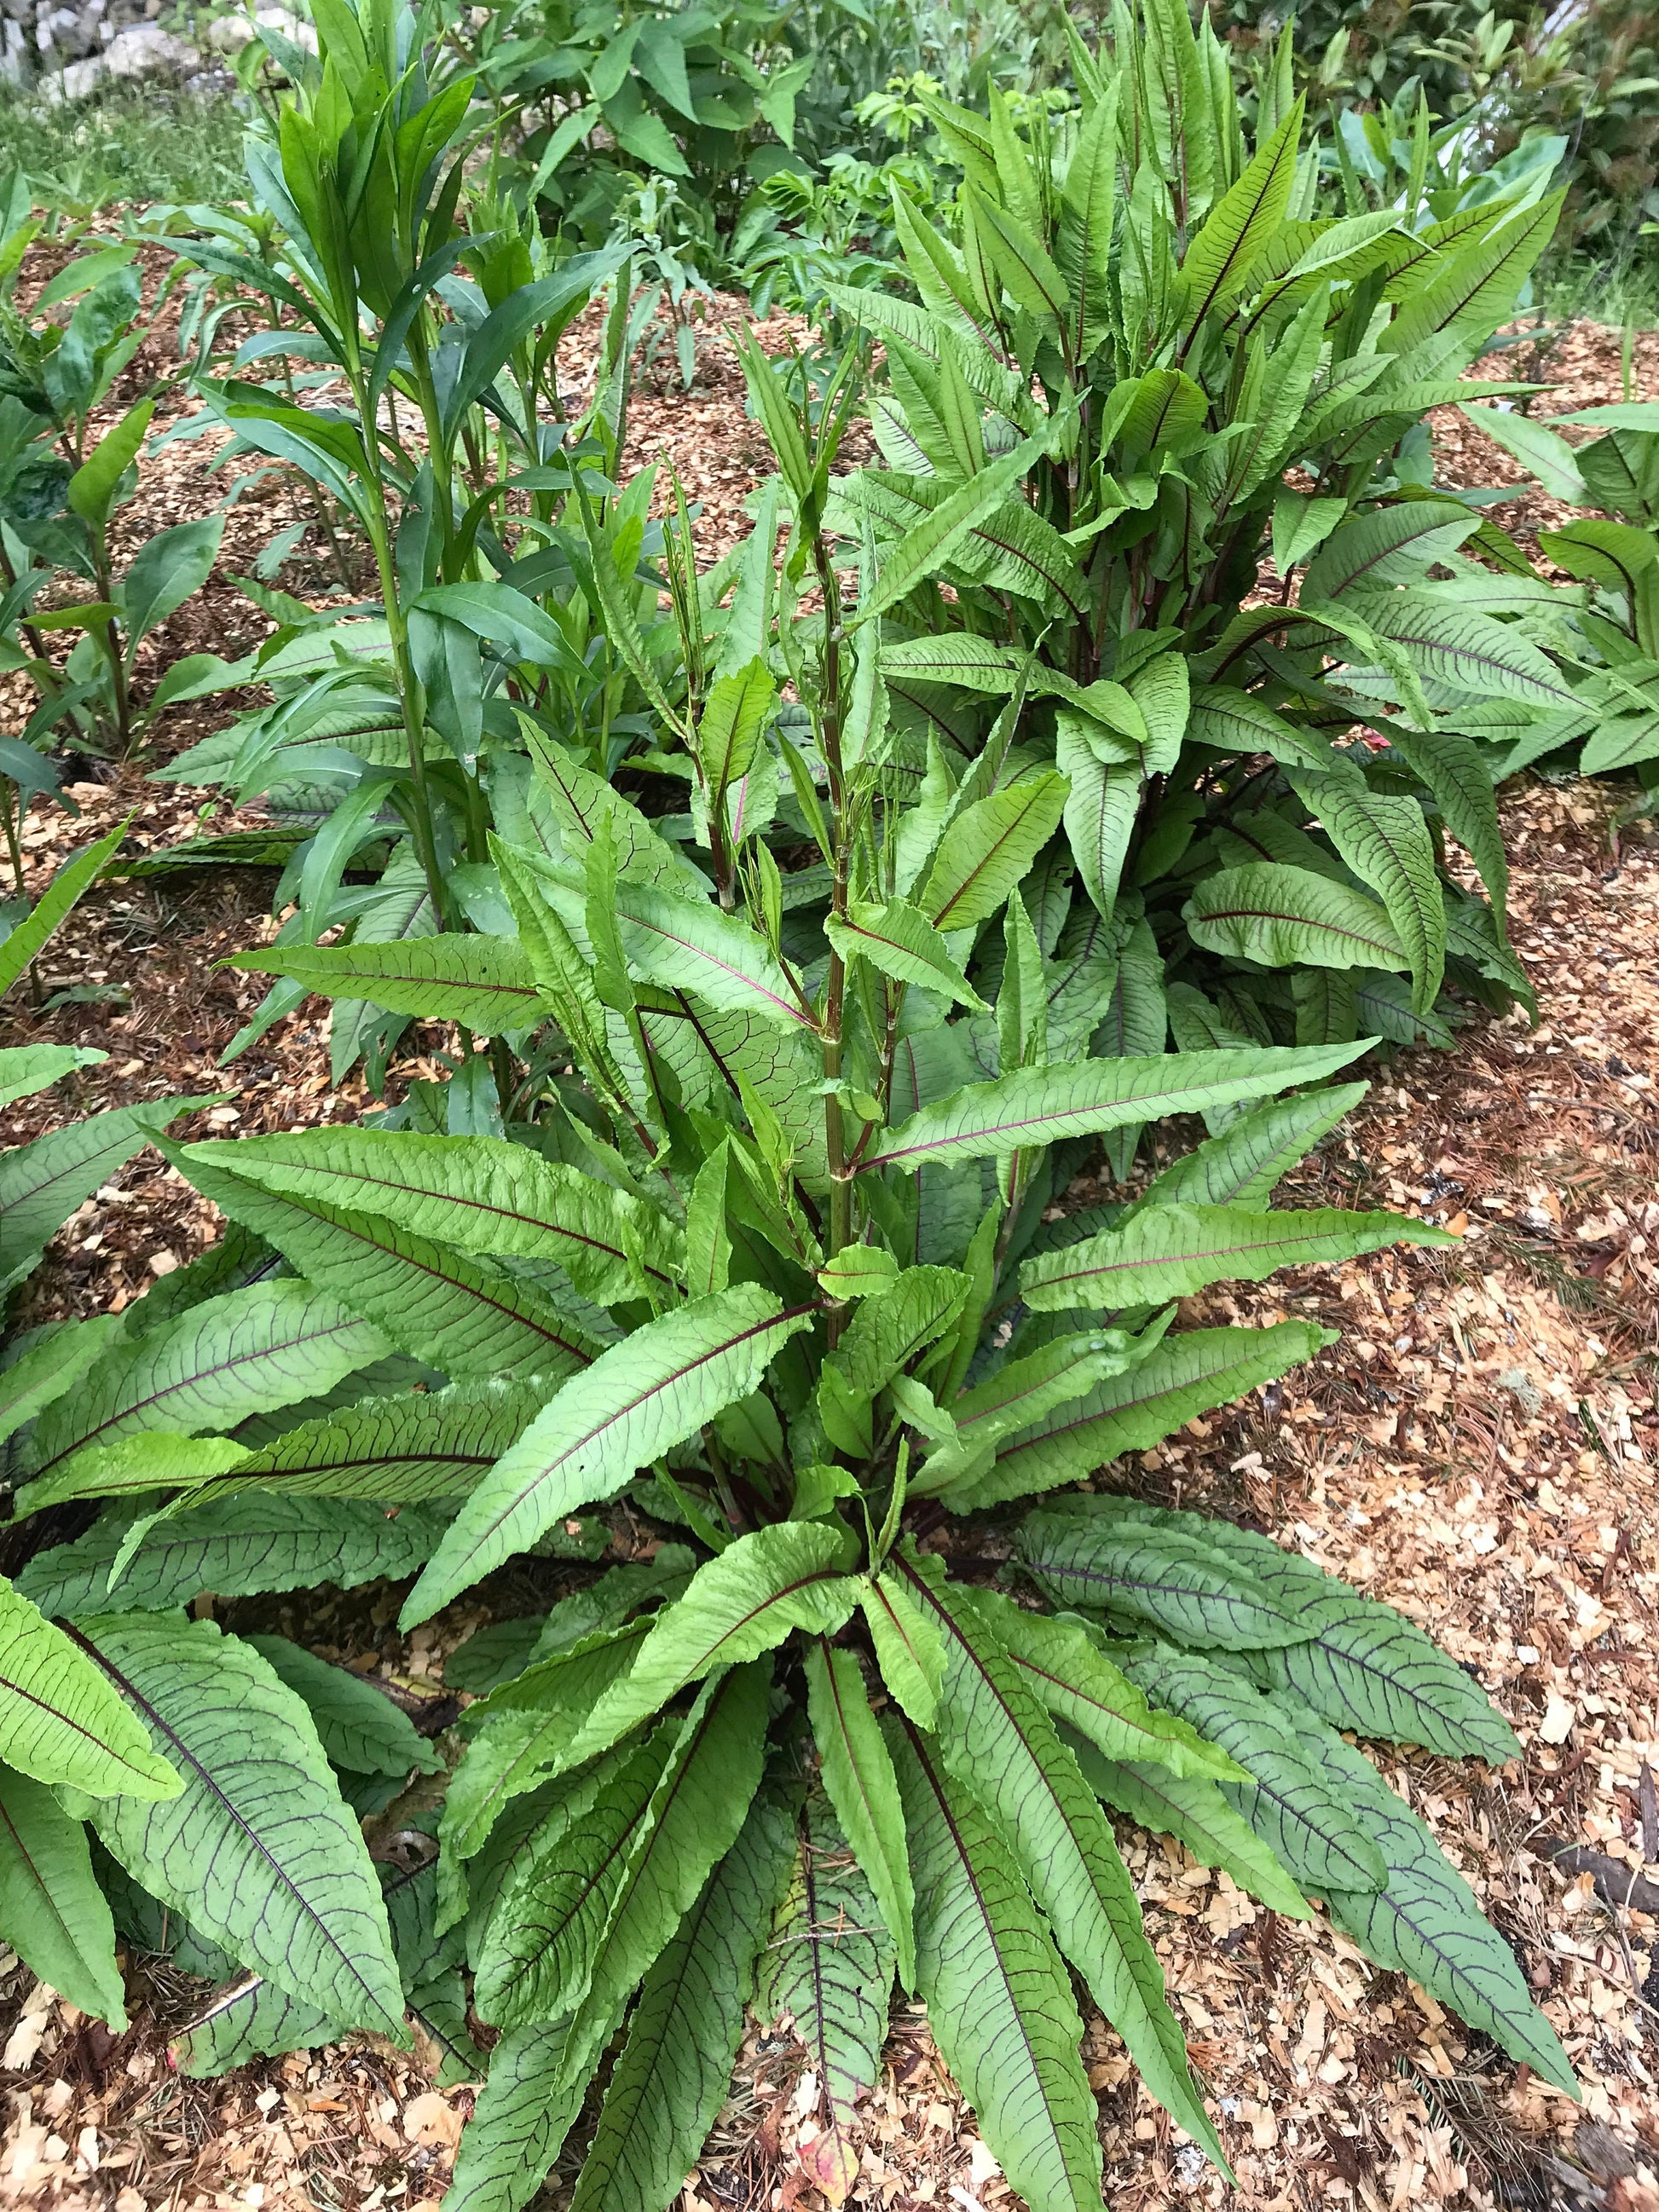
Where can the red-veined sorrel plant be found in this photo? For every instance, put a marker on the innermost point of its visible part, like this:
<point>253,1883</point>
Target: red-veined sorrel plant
<point>769,1266</point>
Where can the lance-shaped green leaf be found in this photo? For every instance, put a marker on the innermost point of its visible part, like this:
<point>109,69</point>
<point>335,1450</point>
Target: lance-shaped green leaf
<point>900,940</point>
<point>485,983</point>
<point>60,1722</point>
<point>681,945</point>
<point>234,1546</point>
<point>1020,257</point>
<point>565,975</point>
<point>496,611</point>
<point>1083,243</point>
<point>635,1403</point>
<point>52,1913</point>
<point>550,1914</point>
<point>1061,1665</point>
<point>1282,916</point>
<point>403,1451</point>
<point>1616,554</point>
<point>910,1649</point>
<point>1389,545</point>
<point>1102,808</point>
<point>700,1805</point>
<point>525,2109</point>
<point>25,1068</point>
<point>830,1966</point>
<point>1190,1808</point>
<point>46,1365</point>
<point>482,1195</point>
<point>1172,1578</point>
<point>1364,1666</point>
<point>358,1726</point>
<point>858,1776</point>
<point>1219,259</point>
<point>49,909</point>
<point>1313,1828</point>
<point>259,1851</point>
<point>1036,1106</point>
<point>738,708</point>
<point>998,1999</point>
<point>998,1741</point>
<point>1424,1922</point>
<point>528,1726</point>
<point>134,1465</point>
<point>42,1184</point>
<point>1187,1374</point>
<point>1543,453</point>
<point>885,1335</point>
<point>1386,842</point>
<point>742,1604</point>
<point>431,1302</point>
<point>247,1353</point>
<point>1170,1251</point>
<point>931,542</point>
<point>1021,1392</point>
<point>1456,771</point>
<point>972,664</point>
<point>1243,1165</point>
<point>989,849</point>
<point>1458,645</point>
<point>1238,722</point>
<point>672,2079</point>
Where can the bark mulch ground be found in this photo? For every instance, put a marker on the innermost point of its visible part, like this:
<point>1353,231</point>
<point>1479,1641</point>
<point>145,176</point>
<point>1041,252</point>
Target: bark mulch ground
<point>1479,1449</point>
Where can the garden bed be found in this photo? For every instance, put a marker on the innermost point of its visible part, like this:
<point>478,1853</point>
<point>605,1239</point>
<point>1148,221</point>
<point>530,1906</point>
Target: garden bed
<point>1479,1449</point>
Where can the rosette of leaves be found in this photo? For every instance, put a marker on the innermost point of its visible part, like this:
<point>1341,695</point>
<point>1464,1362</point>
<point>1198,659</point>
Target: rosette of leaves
<point>780,1755</point>
<point>772,1269</point>
<point>1140,365</point>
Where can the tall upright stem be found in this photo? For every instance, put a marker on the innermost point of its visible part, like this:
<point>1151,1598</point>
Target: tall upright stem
<point>8,791</point>
<point>840,1223</point>
<point>410,691</point>
<point>410,699</point>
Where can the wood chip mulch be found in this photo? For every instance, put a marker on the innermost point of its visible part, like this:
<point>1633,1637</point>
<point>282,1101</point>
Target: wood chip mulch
<point>1479,1449</point>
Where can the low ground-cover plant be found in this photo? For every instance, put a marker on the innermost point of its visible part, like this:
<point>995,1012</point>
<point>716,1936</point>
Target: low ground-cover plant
<point>796,1357</point>
<point>765,1261</point>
